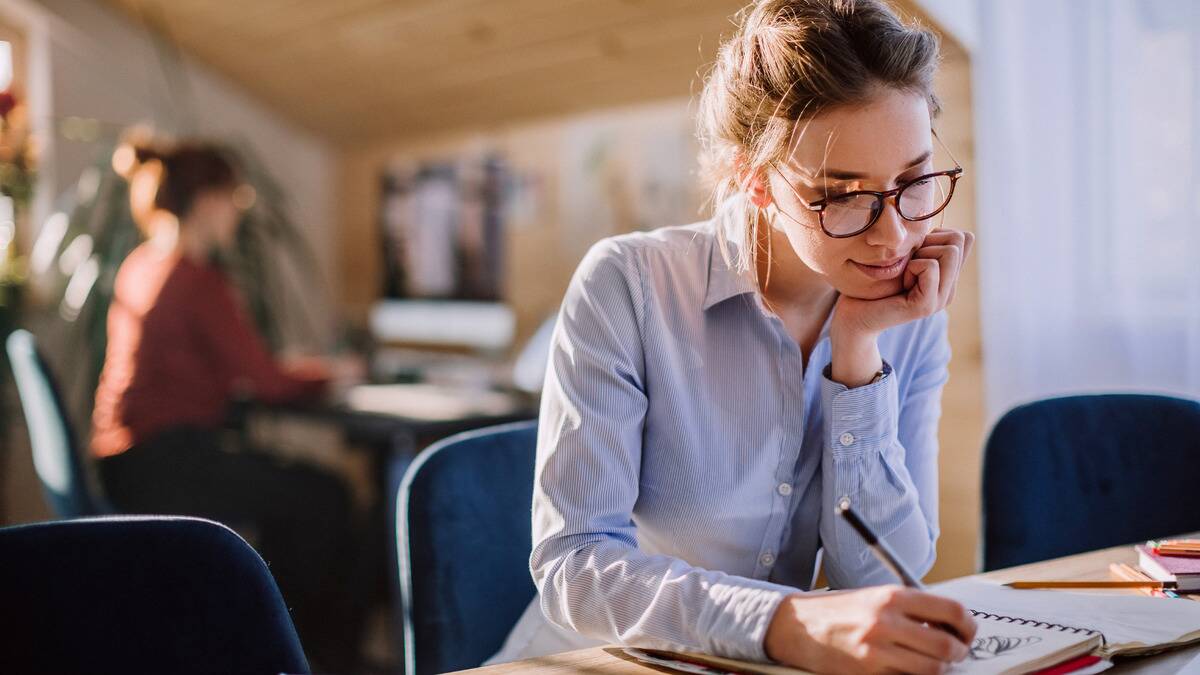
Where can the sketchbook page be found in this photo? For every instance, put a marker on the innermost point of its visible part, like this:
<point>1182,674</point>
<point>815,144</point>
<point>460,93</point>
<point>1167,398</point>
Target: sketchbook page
<point>999,648</point>
<point>1132,624</point>
<point>1005,647</point>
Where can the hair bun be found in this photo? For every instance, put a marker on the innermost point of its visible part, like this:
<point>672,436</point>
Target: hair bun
<point>146,151</point>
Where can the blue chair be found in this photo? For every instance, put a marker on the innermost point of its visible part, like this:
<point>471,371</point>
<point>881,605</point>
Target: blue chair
<point>1073,474</point>
<point>140,595</point>
<point>464,542</point>
<point>56,459</point>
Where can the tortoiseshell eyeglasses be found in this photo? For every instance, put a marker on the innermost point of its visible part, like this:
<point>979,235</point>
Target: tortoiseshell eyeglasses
<point>851,213</point>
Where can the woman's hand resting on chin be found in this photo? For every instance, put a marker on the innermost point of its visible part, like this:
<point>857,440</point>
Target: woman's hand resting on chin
<point>928,285</point>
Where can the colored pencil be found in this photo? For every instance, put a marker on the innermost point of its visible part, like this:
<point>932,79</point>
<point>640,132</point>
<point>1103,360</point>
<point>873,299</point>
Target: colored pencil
<point>1176,547</point>
<point>1126,573</point>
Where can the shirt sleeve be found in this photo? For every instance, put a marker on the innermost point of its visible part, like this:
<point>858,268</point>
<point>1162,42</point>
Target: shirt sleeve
<point>240,354</point>
<point>881,454</point>
<point>590,574</point>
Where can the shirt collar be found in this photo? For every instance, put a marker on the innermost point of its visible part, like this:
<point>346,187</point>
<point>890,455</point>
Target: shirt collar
<point>725,282</point>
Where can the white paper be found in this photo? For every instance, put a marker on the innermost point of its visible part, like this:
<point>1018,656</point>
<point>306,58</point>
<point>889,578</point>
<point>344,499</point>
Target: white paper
<point>1125,620</point>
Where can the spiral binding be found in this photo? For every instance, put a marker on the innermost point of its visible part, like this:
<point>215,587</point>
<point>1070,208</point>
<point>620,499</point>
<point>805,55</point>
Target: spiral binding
<point>1039,624</point>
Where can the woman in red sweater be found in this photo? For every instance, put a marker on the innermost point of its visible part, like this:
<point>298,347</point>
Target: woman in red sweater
<point>180,347</point>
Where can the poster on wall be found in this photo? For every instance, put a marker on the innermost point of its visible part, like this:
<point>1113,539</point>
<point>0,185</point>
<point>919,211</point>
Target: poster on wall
<point>623,171</point>
<point>442,227</point>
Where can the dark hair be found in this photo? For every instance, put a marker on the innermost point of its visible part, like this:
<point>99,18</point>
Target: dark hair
<point>189,168</point>
<point>791,60</point>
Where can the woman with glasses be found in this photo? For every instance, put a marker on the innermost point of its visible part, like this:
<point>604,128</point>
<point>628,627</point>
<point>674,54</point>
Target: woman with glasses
<point>715,390</point>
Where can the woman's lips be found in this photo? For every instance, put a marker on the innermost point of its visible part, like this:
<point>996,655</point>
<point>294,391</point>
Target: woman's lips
<point>887,269</point>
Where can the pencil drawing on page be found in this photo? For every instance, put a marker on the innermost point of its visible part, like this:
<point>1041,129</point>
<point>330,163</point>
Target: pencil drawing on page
<point>997,645</point>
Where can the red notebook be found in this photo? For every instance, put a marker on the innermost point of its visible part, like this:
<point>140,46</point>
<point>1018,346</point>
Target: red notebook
<point>1185,572</point>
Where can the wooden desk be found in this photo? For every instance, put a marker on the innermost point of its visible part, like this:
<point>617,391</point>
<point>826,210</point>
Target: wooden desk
<point>1094,565</point>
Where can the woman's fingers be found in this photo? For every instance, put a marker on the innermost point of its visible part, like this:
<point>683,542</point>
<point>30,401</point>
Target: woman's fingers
<point>919,300</point>
<point>928,284</point>
<point>932,642</point>
<point>900,659</point>
<point>949,257</point>
<point>909,278</point>
<point>923,298</point>
<point>960,239</point>
<point>934,609</point>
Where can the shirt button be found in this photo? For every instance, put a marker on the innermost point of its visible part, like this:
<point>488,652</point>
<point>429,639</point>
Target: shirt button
<point>785,489</point>
<point>846,439</point>
<point>767,560</point>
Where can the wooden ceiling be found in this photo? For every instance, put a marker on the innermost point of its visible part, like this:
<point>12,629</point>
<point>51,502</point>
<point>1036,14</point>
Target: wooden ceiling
<point>357,71</point>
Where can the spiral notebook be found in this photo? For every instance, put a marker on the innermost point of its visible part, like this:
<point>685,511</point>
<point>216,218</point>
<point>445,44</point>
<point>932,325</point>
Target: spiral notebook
<point>1022,631</point>
<point>1002,645</point>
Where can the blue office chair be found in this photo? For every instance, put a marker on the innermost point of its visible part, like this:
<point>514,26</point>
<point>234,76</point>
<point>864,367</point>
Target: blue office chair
<point>56,459</point>
<point>140,595</point>
<point>464,543</point>
<point>1073,474</point>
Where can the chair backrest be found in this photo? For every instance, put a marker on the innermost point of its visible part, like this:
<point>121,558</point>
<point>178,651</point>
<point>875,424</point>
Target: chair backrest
<point>464,535</point>
<point>55,452</point>
<point>1072,474</point>
<point>140,595</point>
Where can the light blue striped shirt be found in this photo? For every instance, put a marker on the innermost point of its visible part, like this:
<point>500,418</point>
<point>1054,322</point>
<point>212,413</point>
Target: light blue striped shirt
<point>688,461</point>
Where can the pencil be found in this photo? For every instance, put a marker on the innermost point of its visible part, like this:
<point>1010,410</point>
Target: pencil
<point>1188,551</point>
<point>1176,547</point>
<point>1085,584</point>
<point>886,556</point>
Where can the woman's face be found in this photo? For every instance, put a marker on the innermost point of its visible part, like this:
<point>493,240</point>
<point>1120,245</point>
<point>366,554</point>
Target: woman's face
<point>216,211</point>
<point>870,147</point>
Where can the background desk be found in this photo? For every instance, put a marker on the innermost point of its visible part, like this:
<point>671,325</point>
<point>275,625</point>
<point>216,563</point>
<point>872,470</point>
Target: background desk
<point>393,423</point>
<point>1094,565</point>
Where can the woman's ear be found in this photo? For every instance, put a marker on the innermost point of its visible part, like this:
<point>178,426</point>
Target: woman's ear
<point>759,190</point>
<point>754,183</point>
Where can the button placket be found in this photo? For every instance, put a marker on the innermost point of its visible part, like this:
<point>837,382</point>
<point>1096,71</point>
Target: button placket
<point>792,400</point>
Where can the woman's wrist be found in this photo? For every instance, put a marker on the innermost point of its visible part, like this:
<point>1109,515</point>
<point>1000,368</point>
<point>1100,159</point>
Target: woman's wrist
<point>856,359</point>
<point>784,643</point>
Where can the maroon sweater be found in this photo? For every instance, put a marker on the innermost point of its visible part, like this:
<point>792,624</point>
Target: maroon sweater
<point>179,347</point>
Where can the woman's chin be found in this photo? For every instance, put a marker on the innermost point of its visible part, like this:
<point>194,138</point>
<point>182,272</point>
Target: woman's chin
<point>871,290</point>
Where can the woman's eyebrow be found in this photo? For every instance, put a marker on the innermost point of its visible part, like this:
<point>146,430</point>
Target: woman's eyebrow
<point>835,174</point>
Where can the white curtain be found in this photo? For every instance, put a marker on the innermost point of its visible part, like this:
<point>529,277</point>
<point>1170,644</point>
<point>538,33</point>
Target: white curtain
<point>1088,130</point>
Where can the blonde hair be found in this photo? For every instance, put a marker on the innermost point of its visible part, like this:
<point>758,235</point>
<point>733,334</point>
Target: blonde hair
<point>789,61</point>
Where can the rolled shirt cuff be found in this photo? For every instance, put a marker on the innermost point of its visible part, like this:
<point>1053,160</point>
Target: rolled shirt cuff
<point>860,419</point>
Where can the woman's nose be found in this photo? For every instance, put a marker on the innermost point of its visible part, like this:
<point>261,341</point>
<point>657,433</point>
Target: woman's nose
<point>890,229</point>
